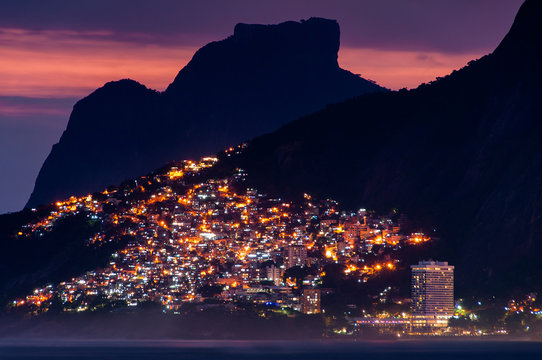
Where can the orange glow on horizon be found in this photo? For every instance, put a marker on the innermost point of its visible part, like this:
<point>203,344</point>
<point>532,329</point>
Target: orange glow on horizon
<point>398,69</point>
<point>58,63</point>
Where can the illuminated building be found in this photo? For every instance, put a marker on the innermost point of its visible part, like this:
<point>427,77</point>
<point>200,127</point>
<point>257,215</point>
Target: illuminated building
<point>386,322</point>
<point>432,294</point>
<point>310,301</point>
<point>353,231</point>
<point>273,274</point>
<point>296,256</point>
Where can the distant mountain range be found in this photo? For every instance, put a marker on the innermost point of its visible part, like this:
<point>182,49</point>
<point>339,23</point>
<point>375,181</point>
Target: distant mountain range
<point>462,154</point>
<point>261,77</point>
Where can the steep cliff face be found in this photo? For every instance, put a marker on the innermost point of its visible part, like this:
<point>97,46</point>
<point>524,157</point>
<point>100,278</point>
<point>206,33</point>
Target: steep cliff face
<point>462,154</point>
<point>261,77</point>
<point>111,133</point>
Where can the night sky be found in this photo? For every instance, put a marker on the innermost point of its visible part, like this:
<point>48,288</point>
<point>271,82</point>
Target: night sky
<point>55,52</point>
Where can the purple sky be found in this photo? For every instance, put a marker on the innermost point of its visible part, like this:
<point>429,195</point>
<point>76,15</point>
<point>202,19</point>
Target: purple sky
<point>55,52</point>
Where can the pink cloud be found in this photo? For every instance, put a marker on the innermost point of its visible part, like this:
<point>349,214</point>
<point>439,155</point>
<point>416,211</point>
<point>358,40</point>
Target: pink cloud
<point>398,69</point>
<point>9,109</point>
<point>58,63</point>
<point>70,64</point>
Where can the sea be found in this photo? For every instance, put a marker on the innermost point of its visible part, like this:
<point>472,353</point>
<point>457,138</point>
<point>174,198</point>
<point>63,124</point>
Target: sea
<point>263,350</point>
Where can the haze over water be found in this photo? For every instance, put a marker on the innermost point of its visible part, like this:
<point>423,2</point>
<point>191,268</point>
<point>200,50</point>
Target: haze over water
<point>263,350</point>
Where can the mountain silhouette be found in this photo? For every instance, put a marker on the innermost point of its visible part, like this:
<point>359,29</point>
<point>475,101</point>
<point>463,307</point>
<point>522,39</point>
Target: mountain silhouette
<point>463,155</point>
<point>261,77</point>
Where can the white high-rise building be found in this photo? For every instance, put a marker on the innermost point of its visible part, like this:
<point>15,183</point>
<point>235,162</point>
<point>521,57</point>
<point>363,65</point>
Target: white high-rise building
<point>432,294</point>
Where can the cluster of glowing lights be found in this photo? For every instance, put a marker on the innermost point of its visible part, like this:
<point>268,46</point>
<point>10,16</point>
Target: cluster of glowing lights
<point>151,263</point>
<point>418,238</point>
<point>369,269</point>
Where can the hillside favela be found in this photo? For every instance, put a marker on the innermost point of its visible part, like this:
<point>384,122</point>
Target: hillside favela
<point>192,237</point>
<point>350,179</point>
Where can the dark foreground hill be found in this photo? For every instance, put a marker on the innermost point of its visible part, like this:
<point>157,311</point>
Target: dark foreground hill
<point>462,154</point>
<point>261,77</point>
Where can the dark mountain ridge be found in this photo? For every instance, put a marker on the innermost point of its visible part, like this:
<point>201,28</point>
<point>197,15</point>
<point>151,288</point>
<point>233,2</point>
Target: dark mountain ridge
<point>261,77</point>
<point>462,154</point>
